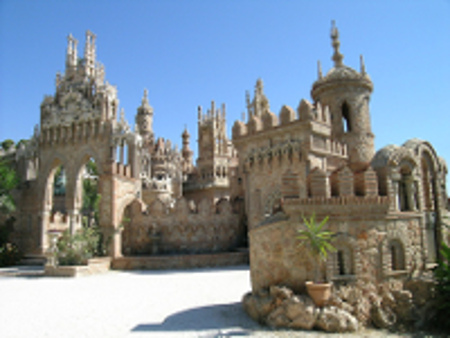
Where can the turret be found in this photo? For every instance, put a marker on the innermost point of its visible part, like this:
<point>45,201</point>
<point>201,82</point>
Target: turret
<point>186,152</point>
<point>144,119</point>
<point>89,53</point>
<point>71,55</point>
<point>346,92</point>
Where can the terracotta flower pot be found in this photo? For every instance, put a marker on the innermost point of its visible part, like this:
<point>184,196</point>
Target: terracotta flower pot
<point>319,292</point>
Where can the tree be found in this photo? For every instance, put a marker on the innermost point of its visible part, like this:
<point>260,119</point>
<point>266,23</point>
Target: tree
<point>6,144</point>
<point>8,182</point>
<point>91,197</point>
<point>317,240</point>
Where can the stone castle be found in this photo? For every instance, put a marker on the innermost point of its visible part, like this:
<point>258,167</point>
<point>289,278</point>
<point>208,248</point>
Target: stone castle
<point>386,207</point>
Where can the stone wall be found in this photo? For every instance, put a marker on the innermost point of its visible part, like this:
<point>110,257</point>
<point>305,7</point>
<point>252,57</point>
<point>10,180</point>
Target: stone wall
<point>371,244</point>
<point>184,228</point>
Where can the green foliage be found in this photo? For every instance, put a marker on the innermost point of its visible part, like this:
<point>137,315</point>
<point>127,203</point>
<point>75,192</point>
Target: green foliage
<point>317,240</point>
<point>7,144</point>
<point>91,197</point>
<point>9,254</point>
<point>442,275</point>
<point>59,182</point>
<point>8,182</point>
<point>76,249</point>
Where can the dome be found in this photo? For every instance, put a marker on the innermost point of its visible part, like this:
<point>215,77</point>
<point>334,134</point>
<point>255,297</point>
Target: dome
<point>343,75</point>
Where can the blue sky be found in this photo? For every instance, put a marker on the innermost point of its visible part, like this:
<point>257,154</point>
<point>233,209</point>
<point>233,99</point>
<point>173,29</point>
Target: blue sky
<point>187,53</point>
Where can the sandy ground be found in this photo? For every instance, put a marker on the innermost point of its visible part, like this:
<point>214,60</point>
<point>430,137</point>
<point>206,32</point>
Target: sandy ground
<point>195,303</point>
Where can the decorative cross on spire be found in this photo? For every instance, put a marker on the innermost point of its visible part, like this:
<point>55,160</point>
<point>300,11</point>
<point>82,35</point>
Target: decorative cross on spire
<point>337,56</point>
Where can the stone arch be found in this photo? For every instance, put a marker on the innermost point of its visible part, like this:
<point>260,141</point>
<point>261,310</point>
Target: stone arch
<point>394,254</point>
<point>223,207</point>
<point>407,186</point>
<point>79,163</point>
<point>46,179</point>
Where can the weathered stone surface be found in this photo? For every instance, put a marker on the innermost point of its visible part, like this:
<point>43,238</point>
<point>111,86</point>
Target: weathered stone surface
<point>332,319</point>
<point>301,311</point>
<point>281,308</point>
<point>383,318</point>
<point>422,290</point>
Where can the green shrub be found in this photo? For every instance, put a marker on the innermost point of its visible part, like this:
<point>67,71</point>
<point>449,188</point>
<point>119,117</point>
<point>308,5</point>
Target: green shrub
<point>76,249</point>
<point>9,255</point>
<point>442,275</point>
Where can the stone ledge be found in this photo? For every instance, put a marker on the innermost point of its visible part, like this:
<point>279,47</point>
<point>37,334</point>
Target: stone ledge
<point>165,262</point>
<point>94,266</point>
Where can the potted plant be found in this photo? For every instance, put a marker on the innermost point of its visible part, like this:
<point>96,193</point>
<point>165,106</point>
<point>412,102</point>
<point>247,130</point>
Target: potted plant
<point>318,241</point>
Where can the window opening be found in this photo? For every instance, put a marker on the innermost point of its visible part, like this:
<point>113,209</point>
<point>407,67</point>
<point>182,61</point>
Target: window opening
<point>345,110</point>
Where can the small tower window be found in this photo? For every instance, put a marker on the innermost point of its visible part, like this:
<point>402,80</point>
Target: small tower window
<point>345,110</point>
<point>397,256</point>
<point>341,262</point>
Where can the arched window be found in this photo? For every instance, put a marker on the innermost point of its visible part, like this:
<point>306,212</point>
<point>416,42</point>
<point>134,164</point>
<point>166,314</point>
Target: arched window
<point>344,261</point>
<point>397,255</point>
<point>59,190</point>
<point>346,123</point>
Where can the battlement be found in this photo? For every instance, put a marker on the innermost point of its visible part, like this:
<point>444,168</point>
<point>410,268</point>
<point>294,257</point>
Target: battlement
<point>213,115</point>
<point>75,132</point>
<point>308,116</point>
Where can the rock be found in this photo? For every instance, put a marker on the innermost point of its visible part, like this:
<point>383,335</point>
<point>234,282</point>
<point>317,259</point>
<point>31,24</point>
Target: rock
<point>383,318</point>
<point>259,306</point>
<point>277,318</point>
<point>422,290</point>
<point>332,319</point>
<point>404,306</point>
<point>280,292</point>
<point>301,311</point>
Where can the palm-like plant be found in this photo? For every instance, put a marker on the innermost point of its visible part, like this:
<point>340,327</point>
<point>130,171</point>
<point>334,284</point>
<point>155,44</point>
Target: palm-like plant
<point>318,241</point>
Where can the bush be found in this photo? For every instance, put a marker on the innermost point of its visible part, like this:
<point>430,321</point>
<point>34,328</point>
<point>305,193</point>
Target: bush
<point>9,255</point>
<point>442,275</point>
<point>76,249</point>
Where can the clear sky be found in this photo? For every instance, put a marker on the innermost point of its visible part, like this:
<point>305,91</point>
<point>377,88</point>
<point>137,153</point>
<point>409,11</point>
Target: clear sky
<point>187,53</point>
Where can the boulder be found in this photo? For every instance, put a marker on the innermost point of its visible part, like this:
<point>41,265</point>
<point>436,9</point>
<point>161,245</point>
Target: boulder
<point>332,319</point>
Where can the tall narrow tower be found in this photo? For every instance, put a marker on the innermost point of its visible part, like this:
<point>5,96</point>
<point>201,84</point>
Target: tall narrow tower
<point>144,120</point>
<point>213,144</point>
<point>90,53</point>
<point>186,153</point>
<point>347,92</point>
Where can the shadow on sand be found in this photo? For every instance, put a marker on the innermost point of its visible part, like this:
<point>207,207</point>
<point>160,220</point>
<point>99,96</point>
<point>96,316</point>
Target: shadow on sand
<point>225,319</point>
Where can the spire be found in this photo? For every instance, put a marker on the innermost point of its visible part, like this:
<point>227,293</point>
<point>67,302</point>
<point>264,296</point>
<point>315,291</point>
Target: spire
<point>200,113</point>
<point>89,52</point>
<point>319,70</point>
<point>337,56</point>
<point>71,55</point>
<point>144,103</point>
<point>363,66</point>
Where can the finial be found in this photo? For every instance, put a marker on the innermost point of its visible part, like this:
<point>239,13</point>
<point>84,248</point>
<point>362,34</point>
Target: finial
<point>319,70</point>
<point>223,110</point>
<point>259,86</point>
<point>185,134</point>
<point>200,113</point>
<point>363,66</point>
<point>337,56</point>
<point>145,97</point>
<point>243,116</point>
<point>122,115</point>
